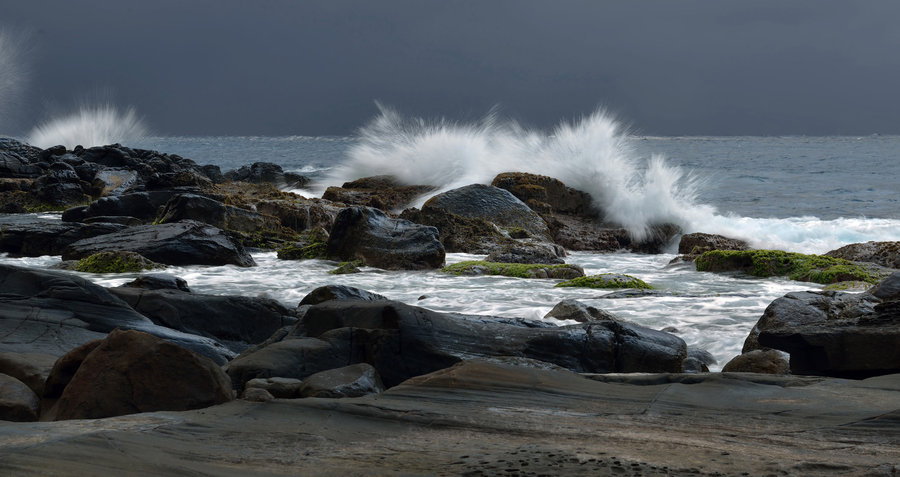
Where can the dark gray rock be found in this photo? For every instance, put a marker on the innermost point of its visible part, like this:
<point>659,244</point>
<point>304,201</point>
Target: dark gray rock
<point>236,321</point>
<point>369,235</point>
<point>292,357</point>
<point>571,309</point>
<point>338,292</point>
<point>888,289</point>
<point>180,243</point>
<point>31,236</point>
<point>159,281</point>
<point>492,204</point>
<point>886,254</point>
<point>215,213</point>
<point>356,380</point>
<point>528,252</point>
<point>266,172</point>
<point>141,205</point>
<point>696,244</point>
<point>53,312</point>
<point>26,152</point>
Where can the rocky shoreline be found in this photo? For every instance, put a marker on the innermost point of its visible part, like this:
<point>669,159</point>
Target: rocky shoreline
<point>424,392</point>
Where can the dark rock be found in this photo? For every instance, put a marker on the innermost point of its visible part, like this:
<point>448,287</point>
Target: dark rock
<point>369,235</point>
<point>698,361</point>
<point>142,205</point>
<point>27,152</point>
<point>32,236</point>
<point>888,289</point>
<point>356,380</point>
<point>180,243</point>
<point>257,395</point>
<point>495,205</point>
<point>293,357</point>
<point>886,254</point>
<point>459,234</point>
<point>696,244</point>
<point>18,403</point>
<point>61,186</point>
<point>380,192</point>
<point>131,372</point>
<point>571,309</point>
<point>545,194</point>
<point>767,361</point>
<point>64,370</point>
<point>12,165</point>
<point>52,312</point>
<point>214,173</point>
<point>159,281</point>
<point>266,172</point>
<point>112,262</point>
<point>338,292</point>
<point>234,320</point>
<point>30,368</point>
<point>281,388</point>
<point>108,181</point>
<point>215,213</point>
<point>528,252</point>
<point>300,215</point>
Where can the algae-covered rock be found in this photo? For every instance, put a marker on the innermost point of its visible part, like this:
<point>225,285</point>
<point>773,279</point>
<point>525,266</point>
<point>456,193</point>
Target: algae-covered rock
<point>345,268</point>
<point>518,270</point>
<point>796,266</point>
<point>115,262</point>
<point>606,280</point>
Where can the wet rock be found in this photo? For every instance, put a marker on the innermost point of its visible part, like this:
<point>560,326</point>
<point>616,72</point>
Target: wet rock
<point>528,252</point>
<point>130,372</point>
<point>767,361</point>
<point>886,254</point>
<point>53,312</point>
<point>545,194</point>
<point>61,186</point>
<point>266,172</point>
<point>159,281</point>
<point>693,245</point>
<point>236,321</point>
<point>14,166</point>
<point>144,206</point>
<point>180,243</point>
<point>888,289</point>
<point>302,214</point>
<point>32,236</point>
<point>25,152</point>
<point>369,235</point>
<point>339,292</point>
<point>292,357</point>
<point>356,380</point>
<point>30,368</point>
<point>380,192</point>
<point>495,205</point>
<point>460,234</point>
<point>571,309</point>
<point>518,270</point>
<point>18,403</point>
<point>210,211</point>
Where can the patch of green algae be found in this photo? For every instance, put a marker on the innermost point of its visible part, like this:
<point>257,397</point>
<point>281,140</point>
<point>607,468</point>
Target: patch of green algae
<point>113,262</point>
<point>606,280</point>
<point>516,270</point>
<point>796,266</point>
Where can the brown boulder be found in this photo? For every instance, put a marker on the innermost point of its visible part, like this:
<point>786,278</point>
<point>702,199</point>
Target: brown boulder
<point>17,402</point>
<point>767,361</point>
<point>886,254</point>
<point>131,372</point>
<point>545,194</point>
<point>696,244</point>
<point>380,192</point>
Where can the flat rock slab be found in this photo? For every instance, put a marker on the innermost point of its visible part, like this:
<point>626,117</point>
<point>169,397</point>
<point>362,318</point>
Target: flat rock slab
<point>498,419</point>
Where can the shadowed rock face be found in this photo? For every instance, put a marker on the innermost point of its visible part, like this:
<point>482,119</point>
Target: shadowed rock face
<point>499,206</point>
<point>367,234</point>
<point>130,372</point>
<point>31,236</point>
<point>180,243</point>
<point>53,312</point>
<point>403,341</point>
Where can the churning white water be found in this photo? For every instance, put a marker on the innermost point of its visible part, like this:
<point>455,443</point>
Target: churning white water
<point>97,125</point>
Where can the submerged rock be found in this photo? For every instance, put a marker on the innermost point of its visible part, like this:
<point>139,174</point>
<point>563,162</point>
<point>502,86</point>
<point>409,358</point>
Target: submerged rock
<point>369,235</point>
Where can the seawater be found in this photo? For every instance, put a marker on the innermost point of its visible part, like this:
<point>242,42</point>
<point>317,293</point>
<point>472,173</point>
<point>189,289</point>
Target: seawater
<point>793,193</point>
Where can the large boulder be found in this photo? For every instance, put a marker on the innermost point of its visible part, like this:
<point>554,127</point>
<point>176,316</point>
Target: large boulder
<point>30,368</point>
<point>15,166</point>
<point>403,341</point>
<point>697,243</point>
<point>495,205</point>
<point>30,236</point>
<point>18,403</point>
<point>215,213</point>
<point>380,192</point>
<point>767,361</point>
<point>181,243</point>
<point>886,254</point>
<point>832,333</point>
<point>61,186</point>
<point>369,235</point>
<point>338,292</point>
<point>51,312</point>
<point>131,372</point>
<point>545,194</point>
<point>144,206</point>
<point>236,321</point>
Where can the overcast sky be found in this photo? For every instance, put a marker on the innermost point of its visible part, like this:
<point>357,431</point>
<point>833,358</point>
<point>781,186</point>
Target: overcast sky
<point>284,67</point>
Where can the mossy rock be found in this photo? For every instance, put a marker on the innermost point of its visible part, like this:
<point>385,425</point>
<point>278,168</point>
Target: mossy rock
<point>115,262</point>
<point>606,280</point>
<point>517,270</point>
<point>796,266</point>
<point>853,286</point>
<point>345,268</point>
<point>300,251</point>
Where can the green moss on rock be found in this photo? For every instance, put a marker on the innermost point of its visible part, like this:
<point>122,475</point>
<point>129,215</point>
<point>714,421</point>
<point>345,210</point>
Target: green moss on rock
<point>796,266</point>
<point>606,280</point>
<point>115,262</point>
<point>345,268</point>
<point>517,270</point>
<point>303,251</point>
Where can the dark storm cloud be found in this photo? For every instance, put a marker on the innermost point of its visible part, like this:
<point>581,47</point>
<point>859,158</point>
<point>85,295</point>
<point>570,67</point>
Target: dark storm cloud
<point>290,67</point>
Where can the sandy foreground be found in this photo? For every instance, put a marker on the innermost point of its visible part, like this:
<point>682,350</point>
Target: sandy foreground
<point>489,418</point>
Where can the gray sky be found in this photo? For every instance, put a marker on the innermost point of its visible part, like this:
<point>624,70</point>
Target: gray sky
<point>278,67</point>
